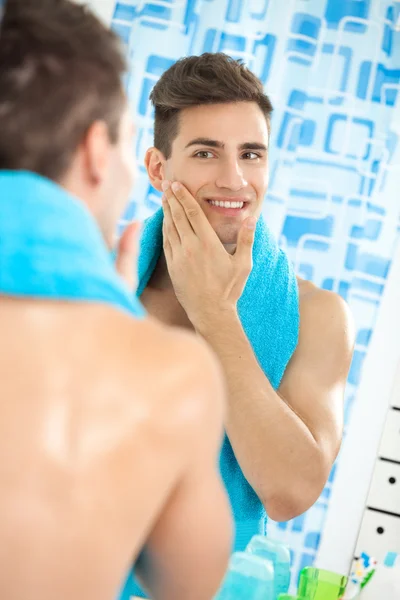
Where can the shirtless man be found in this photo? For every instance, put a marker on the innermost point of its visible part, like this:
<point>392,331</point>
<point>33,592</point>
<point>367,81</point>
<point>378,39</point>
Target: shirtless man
<point>212,129</point>
<point>110,426</point>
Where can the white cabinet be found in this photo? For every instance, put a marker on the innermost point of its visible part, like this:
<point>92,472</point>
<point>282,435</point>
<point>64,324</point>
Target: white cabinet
<point>380,527</point>
<point>384,493</point>
<point>379,534</point>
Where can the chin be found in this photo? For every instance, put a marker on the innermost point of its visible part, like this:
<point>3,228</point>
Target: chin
<point>227,235</point>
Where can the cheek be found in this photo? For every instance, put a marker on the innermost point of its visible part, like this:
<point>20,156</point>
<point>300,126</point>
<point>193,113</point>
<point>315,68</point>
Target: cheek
<point>193,176</point>
<point>259,179</point>
<point>266,178</point>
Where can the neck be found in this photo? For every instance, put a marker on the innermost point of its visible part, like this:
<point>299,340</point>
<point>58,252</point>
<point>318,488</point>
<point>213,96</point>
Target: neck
<point>160,278</point>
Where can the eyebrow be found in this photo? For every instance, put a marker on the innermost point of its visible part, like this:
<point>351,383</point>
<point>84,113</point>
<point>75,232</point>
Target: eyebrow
<point>216,144</point>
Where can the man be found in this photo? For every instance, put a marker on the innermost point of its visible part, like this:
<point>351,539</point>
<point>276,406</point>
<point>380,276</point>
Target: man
<point>110,424</point>
<point>287,366</point>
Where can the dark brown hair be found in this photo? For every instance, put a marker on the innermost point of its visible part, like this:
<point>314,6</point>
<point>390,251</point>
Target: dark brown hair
<point>206,79</point>
<point>60,71</point>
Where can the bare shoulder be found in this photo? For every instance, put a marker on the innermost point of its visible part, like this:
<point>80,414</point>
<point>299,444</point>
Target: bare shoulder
<point>323,304</point>
<point>324,317</point>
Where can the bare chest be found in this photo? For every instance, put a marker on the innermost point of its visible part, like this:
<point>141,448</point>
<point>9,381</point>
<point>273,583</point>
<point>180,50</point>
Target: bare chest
<point>163,305</point>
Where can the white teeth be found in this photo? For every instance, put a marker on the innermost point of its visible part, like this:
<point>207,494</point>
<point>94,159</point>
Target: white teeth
<point>227,204</point>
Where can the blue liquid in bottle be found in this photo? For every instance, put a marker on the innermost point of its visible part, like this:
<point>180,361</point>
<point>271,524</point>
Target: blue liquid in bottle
<point>248,578</point>
<point>279,555</point>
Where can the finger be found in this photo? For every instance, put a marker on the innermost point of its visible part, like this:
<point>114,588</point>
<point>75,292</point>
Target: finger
<point>178,213</point>
<point>244,249</point>
<point>196,217</point>
<point>166,244</point>
<point>127,253</point>
<point>170,229</point>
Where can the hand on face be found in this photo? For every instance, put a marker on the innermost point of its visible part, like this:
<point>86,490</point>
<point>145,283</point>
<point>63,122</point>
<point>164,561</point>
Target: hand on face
<point>205,277</point>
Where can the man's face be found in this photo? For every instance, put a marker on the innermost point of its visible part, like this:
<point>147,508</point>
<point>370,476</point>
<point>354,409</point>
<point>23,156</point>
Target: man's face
<point>221,155</point>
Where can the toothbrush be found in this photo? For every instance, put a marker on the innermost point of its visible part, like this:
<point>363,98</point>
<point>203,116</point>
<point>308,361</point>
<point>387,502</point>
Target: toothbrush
<point>362,570</point>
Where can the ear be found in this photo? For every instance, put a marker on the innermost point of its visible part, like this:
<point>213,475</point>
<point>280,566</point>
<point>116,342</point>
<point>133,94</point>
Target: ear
<point>96,148</point>
<point>155,164</point>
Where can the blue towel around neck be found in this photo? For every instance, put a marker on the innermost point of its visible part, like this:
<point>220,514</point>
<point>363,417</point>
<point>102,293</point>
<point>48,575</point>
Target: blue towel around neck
<point>52,248</point>
<point>269,313</point>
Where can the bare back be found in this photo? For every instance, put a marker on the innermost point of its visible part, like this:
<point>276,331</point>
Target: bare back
<point>101,421</point>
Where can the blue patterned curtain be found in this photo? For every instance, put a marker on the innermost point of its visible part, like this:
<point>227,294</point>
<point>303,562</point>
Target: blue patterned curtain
<point>332,70</point>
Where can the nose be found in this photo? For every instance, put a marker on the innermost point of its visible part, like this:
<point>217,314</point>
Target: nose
<point>231,176</point>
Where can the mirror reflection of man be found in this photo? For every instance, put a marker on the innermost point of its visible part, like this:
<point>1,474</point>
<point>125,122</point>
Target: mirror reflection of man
<point>286,370</point>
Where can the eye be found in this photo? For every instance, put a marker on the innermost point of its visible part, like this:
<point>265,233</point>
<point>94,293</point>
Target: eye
<point>203,154</point>
<point>251,155</point>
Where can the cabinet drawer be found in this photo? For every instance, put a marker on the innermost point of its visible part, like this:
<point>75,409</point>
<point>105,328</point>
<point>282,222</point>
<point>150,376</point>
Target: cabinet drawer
<point>379,534</point>
<point>385,487</point>
<point>390,444</point>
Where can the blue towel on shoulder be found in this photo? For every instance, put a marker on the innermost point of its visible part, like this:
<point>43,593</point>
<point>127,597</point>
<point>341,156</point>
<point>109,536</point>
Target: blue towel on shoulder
<point>51,247</point>
<point>269,313</point>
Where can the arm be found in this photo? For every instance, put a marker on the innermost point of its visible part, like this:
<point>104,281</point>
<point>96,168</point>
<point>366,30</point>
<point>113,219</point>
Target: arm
<point>286,442</point>
<point>187,552</point>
